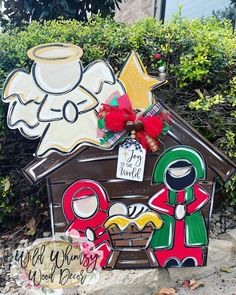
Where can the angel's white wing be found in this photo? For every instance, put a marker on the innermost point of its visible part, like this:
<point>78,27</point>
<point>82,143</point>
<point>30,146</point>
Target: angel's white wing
<point>24,98</point>
<point>100,80</point>
<point>19,84</point>
<point>24,117</point>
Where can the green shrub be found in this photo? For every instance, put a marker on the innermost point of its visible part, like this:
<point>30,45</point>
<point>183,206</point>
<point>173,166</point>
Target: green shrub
<point>5,207</point>
<point>199,55</point>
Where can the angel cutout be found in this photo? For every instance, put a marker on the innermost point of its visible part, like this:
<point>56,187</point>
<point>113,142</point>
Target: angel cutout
<point>57,100</point>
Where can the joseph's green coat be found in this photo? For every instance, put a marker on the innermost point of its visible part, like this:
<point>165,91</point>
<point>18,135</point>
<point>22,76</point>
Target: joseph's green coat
<point>195,229</point>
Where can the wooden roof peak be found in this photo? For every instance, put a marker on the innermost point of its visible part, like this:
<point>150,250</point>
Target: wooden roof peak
<point>181,132</point>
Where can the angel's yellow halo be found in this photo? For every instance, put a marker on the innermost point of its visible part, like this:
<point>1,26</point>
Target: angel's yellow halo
<point>55,53</point>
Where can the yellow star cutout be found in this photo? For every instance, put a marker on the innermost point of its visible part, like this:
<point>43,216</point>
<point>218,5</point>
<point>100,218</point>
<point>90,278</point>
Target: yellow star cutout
<point>137,82</point>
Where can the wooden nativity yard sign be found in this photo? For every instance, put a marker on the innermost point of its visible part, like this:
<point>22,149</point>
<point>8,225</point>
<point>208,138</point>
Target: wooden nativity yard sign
<point>122,170</point>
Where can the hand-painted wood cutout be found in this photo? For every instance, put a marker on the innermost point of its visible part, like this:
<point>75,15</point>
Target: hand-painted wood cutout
<point>137,82</point>
<point>58,94</point>
<point>134,224</point>
<point>129,199</point>
<point>85,205</point>
<point>180,241</point>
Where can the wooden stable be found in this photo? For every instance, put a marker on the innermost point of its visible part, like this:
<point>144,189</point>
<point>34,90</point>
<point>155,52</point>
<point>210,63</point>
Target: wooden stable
<point>161,220</point>
<point>59,172</point>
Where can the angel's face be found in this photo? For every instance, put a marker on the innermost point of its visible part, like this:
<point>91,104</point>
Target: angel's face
<point>57,68</point>
<point>57,78</point>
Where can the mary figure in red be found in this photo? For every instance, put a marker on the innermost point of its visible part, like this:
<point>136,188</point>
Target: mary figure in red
<point>85,205</point>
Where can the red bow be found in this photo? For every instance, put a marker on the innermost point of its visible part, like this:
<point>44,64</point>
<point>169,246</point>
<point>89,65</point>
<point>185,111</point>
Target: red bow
<point>146,130</point>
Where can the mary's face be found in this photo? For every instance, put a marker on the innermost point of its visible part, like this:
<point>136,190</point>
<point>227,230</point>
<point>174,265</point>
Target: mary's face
<point>180,175</point>
<point>85,203</point>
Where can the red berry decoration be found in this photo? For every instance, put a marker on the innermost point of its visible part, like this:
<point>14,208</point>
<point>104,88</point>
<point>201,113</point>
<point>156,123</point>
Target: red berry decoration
<point>115,121</point>
<point>153,126</point>
<point>157,56</point>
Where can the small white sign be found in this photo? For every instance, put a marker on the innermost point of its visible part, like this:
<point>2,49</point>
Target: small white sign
<point>131,163</point>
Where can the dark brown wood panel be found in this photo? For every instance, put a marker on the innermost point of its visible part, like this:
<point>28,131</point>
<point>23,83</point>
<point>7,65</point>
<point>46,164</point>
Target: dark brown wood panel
<point>100,168</point>
<point>42,167</point>
<point>125,190</point>
<point>133,259</point>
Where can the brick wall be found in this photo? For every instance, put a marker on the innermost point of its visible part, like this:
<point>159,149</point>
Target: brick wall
<point>134,10</point>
